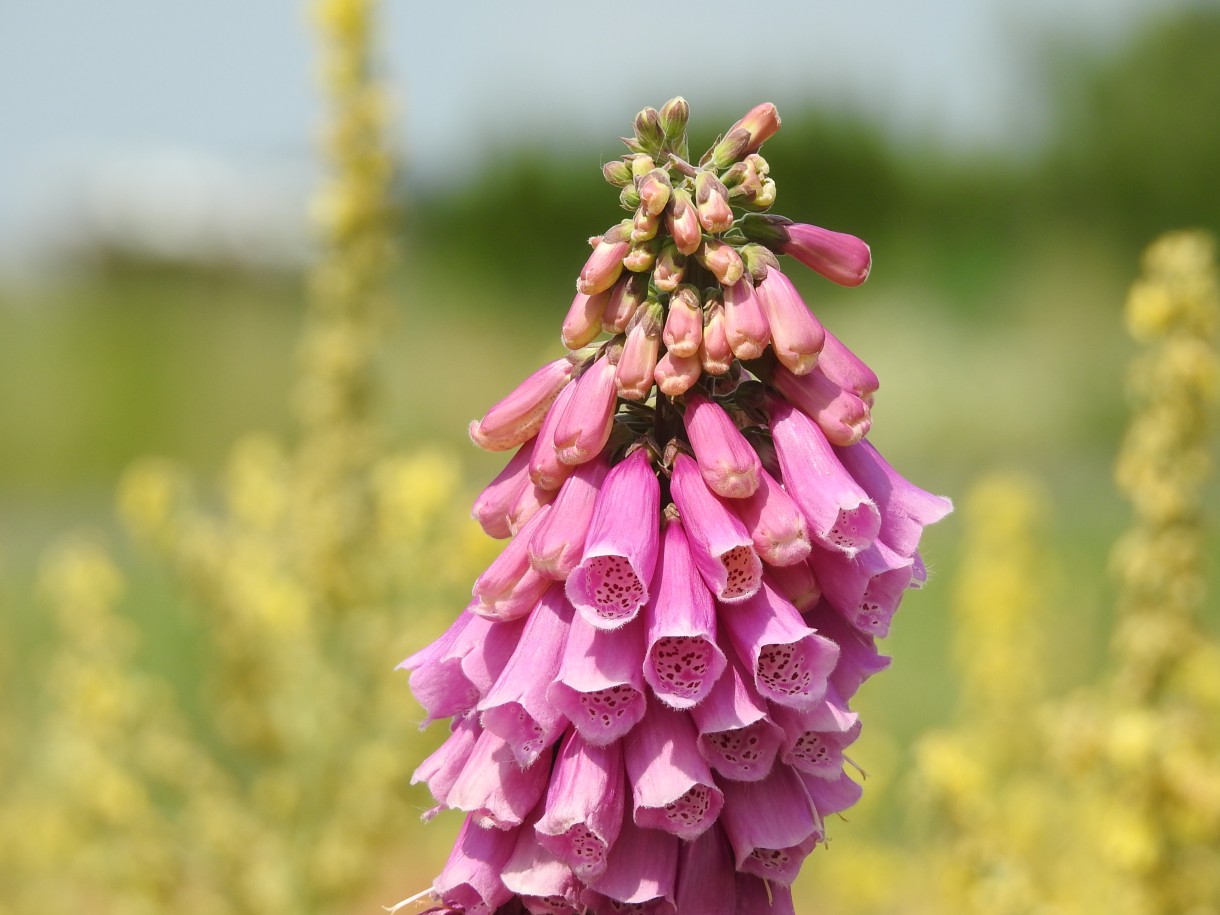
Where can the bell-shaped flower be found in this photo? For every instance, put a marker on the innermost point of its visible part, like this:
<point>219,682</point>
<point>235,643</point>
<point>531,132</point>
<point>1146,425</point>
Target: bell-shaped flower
<point>790,661</point>
<point>682,661</point>
<point>772,824</point>
<point>706,882</point>
<point>470,880</point>
<point>832,795</point>
<point>611,583</point>
<point>719,542</point>
<point>775,523</point>
<point>558,542</point>
<point>672,786</point>
<point>867,588</point>
<point>859,658</point>
<point>839,512</point>
<point>516,707</point>
<point>796,583</point>
<point>847,370</point>
<point>585,805</point>
<point>633,376</point>
<point>583,428</point>
<point>843,417</point>
<point>440,770</point>
<point>729,466</point>
<point>494,788</point>
<point>510,588</point>
<point>814,740</point>
<point>600,686</point>
<point>841,258</point>
<point>535,873</point>
<point>736,734</point>
<point>495,503</point>
<point>905,508</point>
<point>450,675</point>
<point>796,335</point>
<point>641,874</point>
<point>517,418</point>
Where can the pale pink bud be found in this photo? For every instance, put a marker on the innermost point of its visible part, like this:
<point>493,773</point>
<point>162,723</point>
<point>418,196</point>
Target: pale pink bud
<point>847,370</point>
<point>719,542</point>
<point>796,335</point>
<point>841,258</point>
<point>584,320</point>
<point>670,268</point>
<point>644,226</point>
<point>775,523</point>
<point>684,324</point>
<point>546,470</point>
<point>642,256</point>
<point>727,462</point>
<point>559,539</point>
<point>721,260</point>
<point>712,203</point>
<point>745,325</point>
<point>715,354</point>
<point>654,191</point>
<point>625,299</point>
<point>761,123</point>
<point>517,417</point>
<point>510,588</point>
<point>584,428</point>
<point>606,262</point>
<point>675,375</point>
<point>843,417</point>
<point>633,376</point>
<point>684,222</point>
<point>495,503</point>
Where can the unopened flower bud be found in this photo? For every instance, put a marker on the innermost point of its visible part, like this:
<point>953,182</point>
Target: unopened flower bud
<point>625,298</point>
<point>675,375</point>
<point>683,222</point>
<point>735,175</point>
<point>670,267</point>
<point>714,352</point>
<point>640,353</point>
<point>654,191</point>
<point>641,165</point>
<point>517,417</point>
<point>712,203</point>
<point>584,320</point>
<point>757,164</point>
<point>722,260</point>
<point>796,335</point>
<point>606,262</point>
<point>644,226</point>
<point>745,324</point>
<point>730,148</point>
<point>674,115</point>
<point>684,324</point>
<point>841,258</point>
<point>758,260</point>
<point>765,196</point>
<point>617,173</point>
<point>760,123</point>
<point>641,257</point>
<point>629,197</point>
<point>584,428</point>
<point>648,130</point>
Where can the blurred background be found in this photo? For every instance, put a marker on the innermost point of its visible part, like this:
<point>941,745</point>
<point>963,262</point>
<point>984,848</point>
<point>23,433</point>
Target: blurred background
<point>1007,164</point>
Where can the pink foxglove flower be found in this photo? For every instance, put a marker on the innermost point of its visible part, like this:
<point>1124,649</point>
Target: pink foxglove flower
<point>651,687</point>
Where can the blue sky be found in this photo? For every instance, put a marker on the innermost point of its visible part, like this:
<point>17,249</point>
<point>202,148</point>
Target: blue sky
<point>127,84</point>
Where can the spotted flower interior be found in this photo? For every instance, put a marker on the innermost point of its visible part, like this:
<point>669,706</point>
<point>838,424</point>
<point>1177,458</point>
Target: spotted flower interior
<point>650,687</point>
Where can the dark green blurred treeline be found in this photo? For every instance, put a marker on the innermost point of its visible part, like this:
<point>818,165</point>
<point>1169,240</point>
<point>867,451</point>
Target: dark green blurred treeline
<point>1131,150</point>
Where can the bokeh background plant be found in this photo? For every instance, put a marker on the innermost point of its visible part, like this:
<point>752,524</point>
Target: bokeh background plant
<point>225,514</point>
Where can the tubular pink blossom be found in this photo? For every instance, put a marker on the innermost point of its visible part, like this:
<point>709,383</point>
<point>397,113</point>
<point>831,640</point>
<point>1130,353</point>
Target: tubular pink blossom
<point>705,874</point>
<point>684,324</point>
<point>672,787</point>
<point>606,262</point>
<point>546,470</point>
<point>559,539</point>
<point>495,503</point>
<point>625,299</point>
<point>682,662</point>
<point>791,662</point>
<point>450,675</point>
<point>867,588</point>
<point>610,584</point>
<point>600,687</point>
<point>517,418</point>
<point>440,770</point>
<point>516,708</point>
<point>905,508</point>
<point>745,325</point>
<point>492,645</point>
<point>796,583</point>
<point>775,523</point>
<point>583,323</point>
<point>533,870</point>
<point>771,824</point>
<point>584,805</point>
<point>715,354</point>
<point>642,868</point>
<point>727,462</point>
<point>814,741</point>
<point>584,427</point>
<point>843,417</point>
<point>839,512</point>
<point>858,655</point>
<point>509,587</point>
<point>841,258</point>
<point>847,370</point>
<point>796,335</point>
<point>470,881</point>
<point>675,375</point>
<point>638,361</point>
<point>719,543</point>
<point>493,787</point>
<point>832,795</point>
<point>736,736</point>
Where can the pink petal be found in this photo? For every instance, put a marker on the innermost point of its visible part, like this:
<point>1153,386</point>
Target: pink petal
<point>558,541</point>
<point>756,896</point>
<point>705,873</point>
<point>847,370</point>
<point>517,417</point>
<point>440,770</point>
<point>600,686</point>
<point>496,503</point>
<point>833,795</point>
<point>672,787</point>
<point>796,335</point>
<point>776,525</point>
<point>493,787</point>
<point>546,470</point>
<point>470,881</point>
<point>726,460</point>
<point>810,746</point>
<point>682,661</point>
<point>866,588</point>
<point>858,655</point>
<point>796,583</point>
<point>843,417</point>
<point>745,326</point>
<point>610,584</point>
<point>643,866</point>
<point>510,588</point>
<point>771,824</point>
<point>583,429</point>
<point>736,736</point>
<point>532,870</point>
